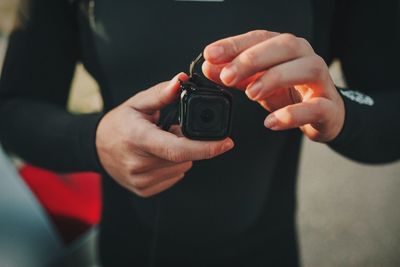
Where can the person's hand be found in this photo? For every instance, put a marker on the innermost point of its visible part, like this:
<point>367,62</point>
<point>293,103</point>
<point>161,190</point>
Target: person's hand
<point>284,74</point>
<point>138,154</point>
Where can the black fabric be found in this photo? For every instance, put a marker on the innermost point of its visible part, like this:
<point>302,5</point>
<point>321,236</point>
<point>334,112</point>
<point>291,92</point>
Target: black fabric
<point>34,88</point>
<point>237,209</point>
<point>367,39</point>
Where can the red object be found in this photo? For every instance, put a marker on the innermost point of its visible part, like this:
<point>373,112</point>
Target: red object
<point>72,201</point>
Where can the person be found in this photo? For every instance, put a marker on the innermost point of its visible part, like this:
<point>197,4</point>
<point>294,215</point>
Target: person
<point>171,201</point>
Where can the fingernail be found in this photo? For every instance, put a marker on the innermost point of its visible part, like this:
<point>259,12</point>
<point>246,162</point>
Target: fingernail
<point>254,90</point>
<point>271,121</point>
<point>215,51</point>
<point>174,80</point>
<point>228,74</point>
<point>227,145</point>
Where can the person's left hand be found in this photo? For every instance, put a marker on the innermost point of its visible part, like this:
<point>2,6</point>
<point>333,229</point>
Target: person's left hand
<point>284,74</point>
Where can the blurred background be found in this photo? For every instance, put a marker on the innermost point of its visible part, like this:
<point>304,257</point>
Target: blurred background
<point>348,213</point>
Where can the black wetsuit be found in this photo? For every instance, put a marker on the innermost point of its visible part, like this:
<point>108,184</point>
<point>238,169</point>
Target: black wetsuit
<point>237,209</point>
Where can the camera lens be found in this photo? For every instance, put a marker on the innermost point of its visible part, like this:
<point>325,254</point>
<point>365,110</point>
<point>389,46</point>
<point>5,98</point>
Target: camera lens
<point>207,115</point>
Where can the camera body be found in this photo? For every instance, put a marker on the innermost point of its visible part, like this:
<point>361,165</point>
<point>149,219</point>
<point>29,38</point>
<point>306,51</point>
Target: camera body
<point>205,109</point>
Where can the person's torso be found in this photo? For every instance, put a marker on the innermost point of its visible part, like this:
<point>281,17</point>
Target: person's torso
<point>137,44</point>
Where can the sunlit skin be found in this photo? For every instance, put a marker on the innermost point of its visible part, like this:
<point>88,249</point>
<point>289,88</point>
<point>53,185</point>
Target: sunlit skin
<point>138,154</point>
<point>265,64</point>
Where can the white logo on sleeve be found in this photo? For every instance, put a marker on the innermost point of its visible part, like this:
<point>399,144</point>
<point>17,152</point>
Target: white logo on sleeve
<point>358,97</point>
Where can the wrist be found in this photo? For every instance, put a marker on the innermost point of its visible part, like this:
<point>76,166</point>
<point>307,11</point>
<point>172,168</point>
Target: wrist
<point>87,142</point>
<point>339,119</point>
<point>351,121</point>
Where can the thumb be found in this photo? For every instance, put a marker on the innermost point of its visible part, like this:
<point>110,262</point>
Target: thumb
<point>158,96</point>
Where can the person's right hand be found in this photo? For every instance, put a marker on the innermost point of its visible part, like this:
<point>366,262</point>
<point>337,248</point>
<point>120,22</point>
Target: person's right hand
<point>138,154</point>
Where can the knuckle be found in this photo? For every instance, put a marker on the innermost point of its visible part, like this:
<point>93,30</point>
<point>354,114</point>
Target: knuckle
<point>302,40</point>
<point>290,42</point>
<point>125,166</point>
<point>288,116</point>
<point>305,43</point>
<point>248,59</point>
<point>317,68</point>
<point>135,166</point>
<point>139,183</point>
<point>259,34</point>
<point>210,152</point>
<point>288,38</point>
<point>174,155</point>
<point>233,46</point>
<point>321,61</point>
<point>316,72</point>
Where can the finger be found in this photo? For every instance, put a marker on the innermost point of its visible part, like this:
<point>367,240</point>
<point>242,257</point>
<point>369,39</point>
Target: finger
<point>304,70</point>
<point>223,51</point>
<point>160,187</point>
<point>280,98</point>
<point>213,73</point>
<point>155,176</point>
<point>170,147</point>
<point>265,55</point>
<point>176,130</point>
<point>313,111</point>
<point>146,162</point>
<point>158,96</point>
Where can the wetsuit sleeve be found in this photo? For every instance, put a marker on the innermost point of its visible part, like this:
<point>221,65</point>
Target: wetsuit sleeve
<point>366,39</point>
<point>34,87</point>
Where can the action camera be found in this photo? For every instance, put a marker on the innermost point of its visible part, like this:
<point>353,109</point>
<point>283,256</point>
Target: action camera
<point>204,110</point>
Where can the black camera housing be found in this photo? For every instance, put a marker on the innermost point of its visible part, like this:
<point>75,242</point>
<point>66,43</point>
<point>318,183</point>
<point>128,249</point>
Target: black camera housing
<point>205,109</point>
